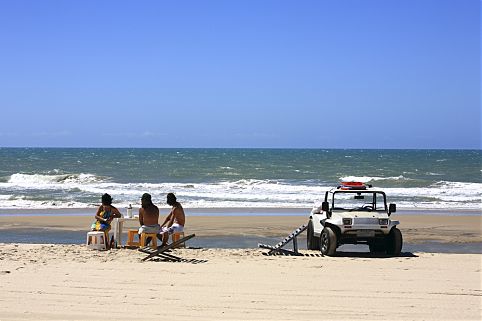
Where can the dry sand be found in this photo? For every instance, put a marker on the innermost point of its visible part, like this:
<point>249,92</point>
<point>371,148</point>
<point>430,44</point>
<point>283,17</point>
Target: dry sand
<point>69,282</point>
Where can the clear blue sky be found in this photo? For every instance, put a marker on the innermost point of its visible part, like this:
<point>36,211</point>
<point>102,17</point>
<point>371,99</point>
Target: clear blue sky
<point>316,74</point>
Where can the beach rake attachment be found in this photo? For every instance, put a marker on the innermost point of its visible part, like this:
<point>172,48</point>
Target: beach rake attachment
<point>278,248</point>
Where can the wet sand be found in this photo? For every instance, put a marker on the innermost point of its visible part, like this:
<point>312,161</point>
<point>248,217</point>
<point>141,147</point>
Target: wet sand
<point>415,228</point>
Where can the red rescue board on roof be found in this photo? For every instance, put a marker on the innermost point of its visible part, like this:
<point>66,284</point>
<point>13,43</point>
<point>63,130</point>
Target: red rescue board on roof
<point>352,185</point>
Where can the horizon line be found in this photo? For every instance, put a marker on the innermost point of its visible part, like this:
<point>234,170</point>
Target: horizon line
<point>253,148</point>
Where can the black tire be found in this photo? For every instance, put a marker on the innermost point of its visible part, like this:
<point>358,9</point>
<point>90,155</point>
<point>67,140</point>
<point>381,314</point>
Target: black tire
<point>312,242</point>
<point>394,242</point>
<point>377,247</point>
<point>328,241</point>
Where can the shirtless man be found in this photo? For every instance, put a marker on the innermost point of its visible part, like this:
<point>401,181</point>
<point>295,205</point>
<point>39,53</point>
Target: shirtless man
<point>148,216</point>
<point>174,222</point>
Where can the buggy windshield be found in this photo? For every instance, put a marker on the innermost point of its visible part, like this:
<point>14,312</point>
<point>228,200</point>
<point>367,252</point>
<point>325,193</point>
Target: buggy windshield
<point>359,201</point>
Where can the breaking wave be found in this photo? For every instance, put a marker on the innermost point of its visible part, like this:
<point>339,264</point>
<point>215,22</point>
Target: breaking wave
<point>370,179</point>
<point>35,191</point>
<point>33,180</point>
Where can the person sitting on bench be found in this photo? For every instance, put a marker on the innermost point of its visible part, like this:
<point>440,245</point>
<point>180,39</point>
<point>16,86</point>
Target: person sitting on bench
<point>175,220</point>
<point>104,216</point>
<point>148,216</point>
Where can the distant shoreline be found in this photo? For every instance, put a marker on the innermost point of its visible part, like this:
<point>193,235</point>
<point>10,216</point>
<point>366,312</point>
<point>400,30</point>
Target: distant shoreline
<point>251,211</point>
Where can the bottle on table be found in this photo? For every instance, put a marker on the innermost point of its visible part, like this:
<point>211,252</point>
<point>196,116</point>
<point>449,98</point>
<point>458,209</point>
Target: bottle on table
<point>129,211</point>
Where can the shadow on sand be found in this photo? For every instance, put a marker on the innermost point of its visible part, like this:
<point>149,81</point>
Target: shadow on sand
<point>191,261</point>
<point>347,254</point>
<point>372,255</point>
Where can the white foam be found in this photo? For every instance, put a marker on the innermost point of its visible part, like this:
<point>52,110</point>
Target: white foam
<point>32,180</point>
<point>33,204</point>
<point>76,191</point>
<point>367,179</point>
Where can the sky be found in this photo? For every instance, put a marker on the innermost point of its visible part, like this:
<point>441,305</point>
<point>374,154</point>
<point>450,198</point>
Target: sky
<point>241,74</point>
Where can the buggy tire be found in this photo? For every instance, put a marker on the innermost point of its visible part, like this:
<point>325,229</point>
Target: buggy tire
<point>328,241</point>
<point>312,242</point>
<point>377,247</point>
<point>394,242</point>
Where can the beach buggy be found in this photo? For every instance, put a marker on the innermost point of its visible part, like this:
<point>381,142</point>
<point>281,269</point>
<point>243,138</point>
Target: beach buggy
<point>354,213</point>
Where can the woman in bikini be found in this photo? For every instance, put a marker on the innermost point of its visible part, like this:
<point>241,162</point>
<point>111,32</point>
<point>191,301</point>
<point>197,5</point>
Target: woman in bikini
<point>104,216</point>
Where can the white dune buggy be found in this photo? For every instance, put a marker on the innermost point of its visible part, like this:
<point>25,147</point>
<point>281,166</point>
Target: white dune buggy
<point>354,213</point>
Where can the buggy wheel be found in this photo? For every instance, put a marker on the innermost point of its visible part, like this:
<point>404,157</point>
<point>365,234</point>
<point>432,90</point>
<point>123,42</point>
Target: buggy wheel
<point>394,242</point>
<point>377,247</point>
<point>312,242</point>
<point>328,241</point>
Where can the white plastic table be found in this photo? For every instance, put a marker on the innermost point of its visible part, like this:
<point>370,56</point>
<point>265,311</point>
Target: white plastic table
<point>118,226</point>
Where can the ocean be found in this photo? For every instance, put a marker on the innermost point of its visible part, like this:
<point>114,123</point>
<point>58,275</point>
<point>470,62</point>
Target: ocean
<point>60,178</point>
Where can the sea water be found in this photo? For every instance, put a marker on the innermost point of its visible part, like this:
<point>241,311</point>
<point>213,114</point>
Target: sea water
<point>58,178</point>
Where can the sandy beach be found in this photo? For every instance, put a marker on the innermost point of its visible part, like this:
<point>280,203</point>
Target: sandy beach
<point>69,282</point>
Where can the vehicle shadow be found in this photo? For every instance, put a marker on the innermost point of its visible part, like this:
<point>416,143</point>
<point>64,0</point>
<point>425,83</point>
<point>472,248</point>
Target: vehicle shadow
<point>344,254</point>
<point>372,255</point>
